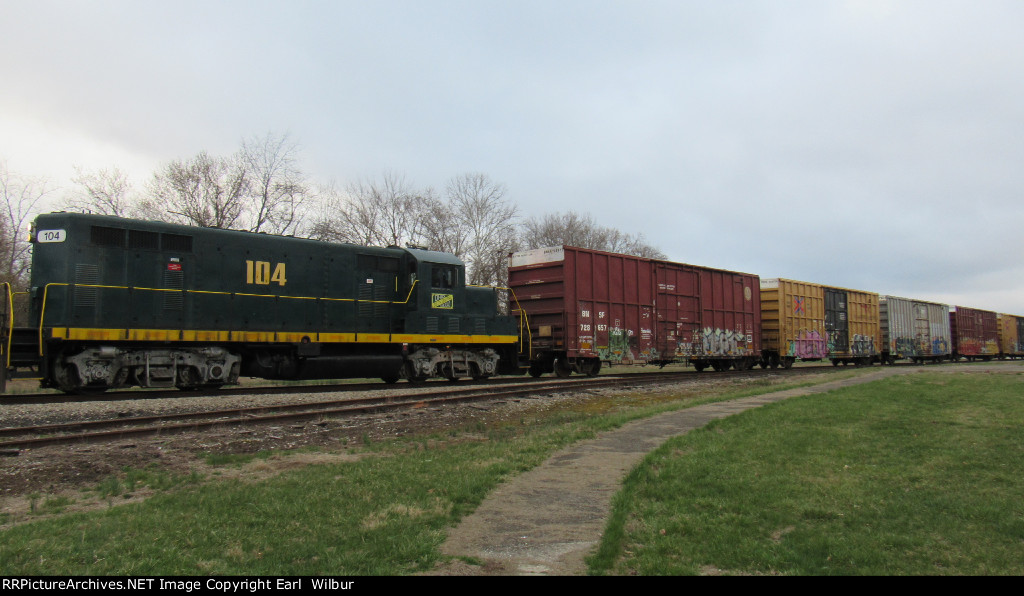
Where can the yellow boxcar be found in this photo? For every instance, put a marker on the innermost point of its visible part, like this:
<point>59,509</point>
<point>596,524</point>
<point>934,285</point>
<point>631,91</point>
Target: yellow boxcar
<point>1010,340</point>
<point>852,326</point>
<point>792,322</point>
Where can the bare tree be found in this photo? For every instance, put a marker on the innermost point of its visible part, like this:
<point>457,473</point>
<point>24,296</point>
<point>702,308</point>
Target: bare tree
<point>278,190</point>
<point>105,191</point>
<point>21,196</point>
<point>478,225</point>
<point>202,191</point>
<point>383,212</point>
<point>573,229</point>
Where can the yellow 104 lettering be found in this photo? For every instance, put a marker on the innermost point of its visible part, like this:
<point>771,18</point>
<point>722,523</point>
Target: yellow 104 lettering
<point>264,273</point>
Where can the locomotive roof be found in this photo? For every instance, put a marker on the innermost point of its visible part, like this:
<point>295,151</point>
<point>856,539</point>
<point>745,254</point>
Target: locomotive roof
<point>432,256</point>
<point>420,254</point>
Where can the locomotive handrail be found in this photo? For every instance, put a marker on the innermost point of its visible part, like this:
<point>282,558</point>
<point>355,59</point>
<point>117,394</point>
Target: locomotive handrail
<point>523,319</point>
<point>10,325</point>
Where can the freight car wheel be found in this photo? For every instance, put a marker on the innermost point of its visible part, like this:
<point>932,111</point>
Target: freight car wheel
<point>592,367</point>
<point>562,368</point>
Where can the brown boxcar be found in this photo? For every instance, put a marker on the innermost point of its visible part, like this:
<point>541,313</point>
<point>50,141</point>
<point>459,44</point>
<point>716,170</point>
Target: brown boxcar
<point>710,317</point>
<point>1011,336</point>
<point>975,333</point>
<point>585,307</point>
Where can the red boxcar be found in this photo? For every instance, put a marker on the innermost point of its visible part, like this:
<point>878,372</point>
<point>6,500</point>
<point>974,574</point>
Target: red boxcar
<point>975,333</point>
<point>586,307</point>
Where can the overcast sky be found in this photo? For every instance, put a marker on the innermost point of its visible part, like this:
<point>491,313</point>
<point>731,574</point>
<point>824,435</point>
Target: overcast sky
<point>873,144</point>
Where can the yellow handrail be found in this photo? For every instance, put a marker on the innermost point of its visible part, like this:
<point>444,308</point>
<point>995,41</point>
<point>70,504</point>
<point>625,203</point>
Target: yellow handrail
<point>10,326</point>
<point>523,321</point>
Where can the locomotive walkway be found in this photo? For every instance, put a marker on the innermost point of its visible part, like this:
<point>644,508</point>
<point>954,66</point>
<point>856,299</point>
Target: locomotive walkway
<point>545,521</point>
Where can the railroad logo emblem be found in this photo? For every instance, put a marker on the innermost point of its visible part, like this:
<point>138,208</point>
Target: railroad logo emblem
<point>446,301</point>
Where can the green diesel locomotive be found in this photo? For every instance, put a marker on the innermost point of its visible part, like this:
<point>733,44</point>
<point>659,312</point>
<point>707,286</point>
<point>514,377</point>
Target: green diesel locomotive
<point>118,302</point>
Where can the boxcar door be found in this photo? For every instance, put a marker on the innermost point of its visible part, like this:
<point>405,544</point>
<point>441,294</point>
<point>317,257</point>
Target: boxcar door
<point>836,321</point>
<point>922,331</point>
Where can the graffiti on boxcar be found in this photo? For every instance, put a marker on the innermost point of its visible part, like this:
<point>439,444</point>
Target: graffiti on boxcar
<point>862,345</point>
<point>807,345</point>
<point>940,345</point>
<point>684,349</point>
<point>618,348</point>
<point>721,342</point>
<point>906,347</point>
<point>650,354</point>
<point>830,342</point>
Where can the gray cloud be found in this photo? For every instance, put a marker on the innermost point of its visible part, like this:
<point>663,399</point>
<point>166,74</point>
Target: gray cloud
<point>870,144</point>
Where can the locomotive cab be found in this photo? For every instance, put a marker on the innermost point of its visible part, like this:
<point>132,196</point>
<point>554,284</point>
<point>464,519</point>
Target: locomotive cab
<point>452,328</point>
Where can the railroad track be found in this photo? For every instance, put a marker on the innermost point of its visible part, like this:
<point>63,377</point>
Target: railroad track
<point>110,429</point>
<point>150,394</point>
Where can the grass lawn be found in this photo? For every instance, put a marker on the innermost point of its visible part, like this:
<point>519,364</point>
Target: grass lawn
<point>915,475</point>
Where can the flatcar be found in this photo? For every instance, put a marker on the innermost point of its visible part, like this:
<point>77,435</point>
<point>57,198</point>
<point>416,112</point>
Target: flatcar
<point>118,302</point>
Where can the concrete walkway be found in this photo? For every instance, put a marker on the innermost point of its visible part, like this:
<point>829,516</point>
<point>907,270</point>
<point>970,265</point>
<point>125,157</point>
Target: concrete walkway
<point>545,521</point>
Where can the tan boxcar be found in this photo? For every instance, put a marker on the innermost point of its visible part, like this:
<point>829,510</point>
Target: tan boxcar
<point>792,322</point>
<point>852,326</point>
<point>1011,336</point>
<point>807,321</point>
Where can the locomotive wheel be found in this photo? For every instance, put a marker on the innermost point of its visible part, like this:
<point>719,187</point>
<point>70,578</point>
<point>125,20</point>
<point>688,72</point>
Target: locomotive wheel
<point>410,374</point>
<point>66,379</point>
<point>188,379</point>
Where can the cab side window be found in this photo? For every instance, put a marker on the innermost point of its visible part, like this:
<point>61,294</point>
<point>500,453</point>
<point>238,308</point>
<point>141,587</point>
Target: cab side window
<point>442,278</point>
